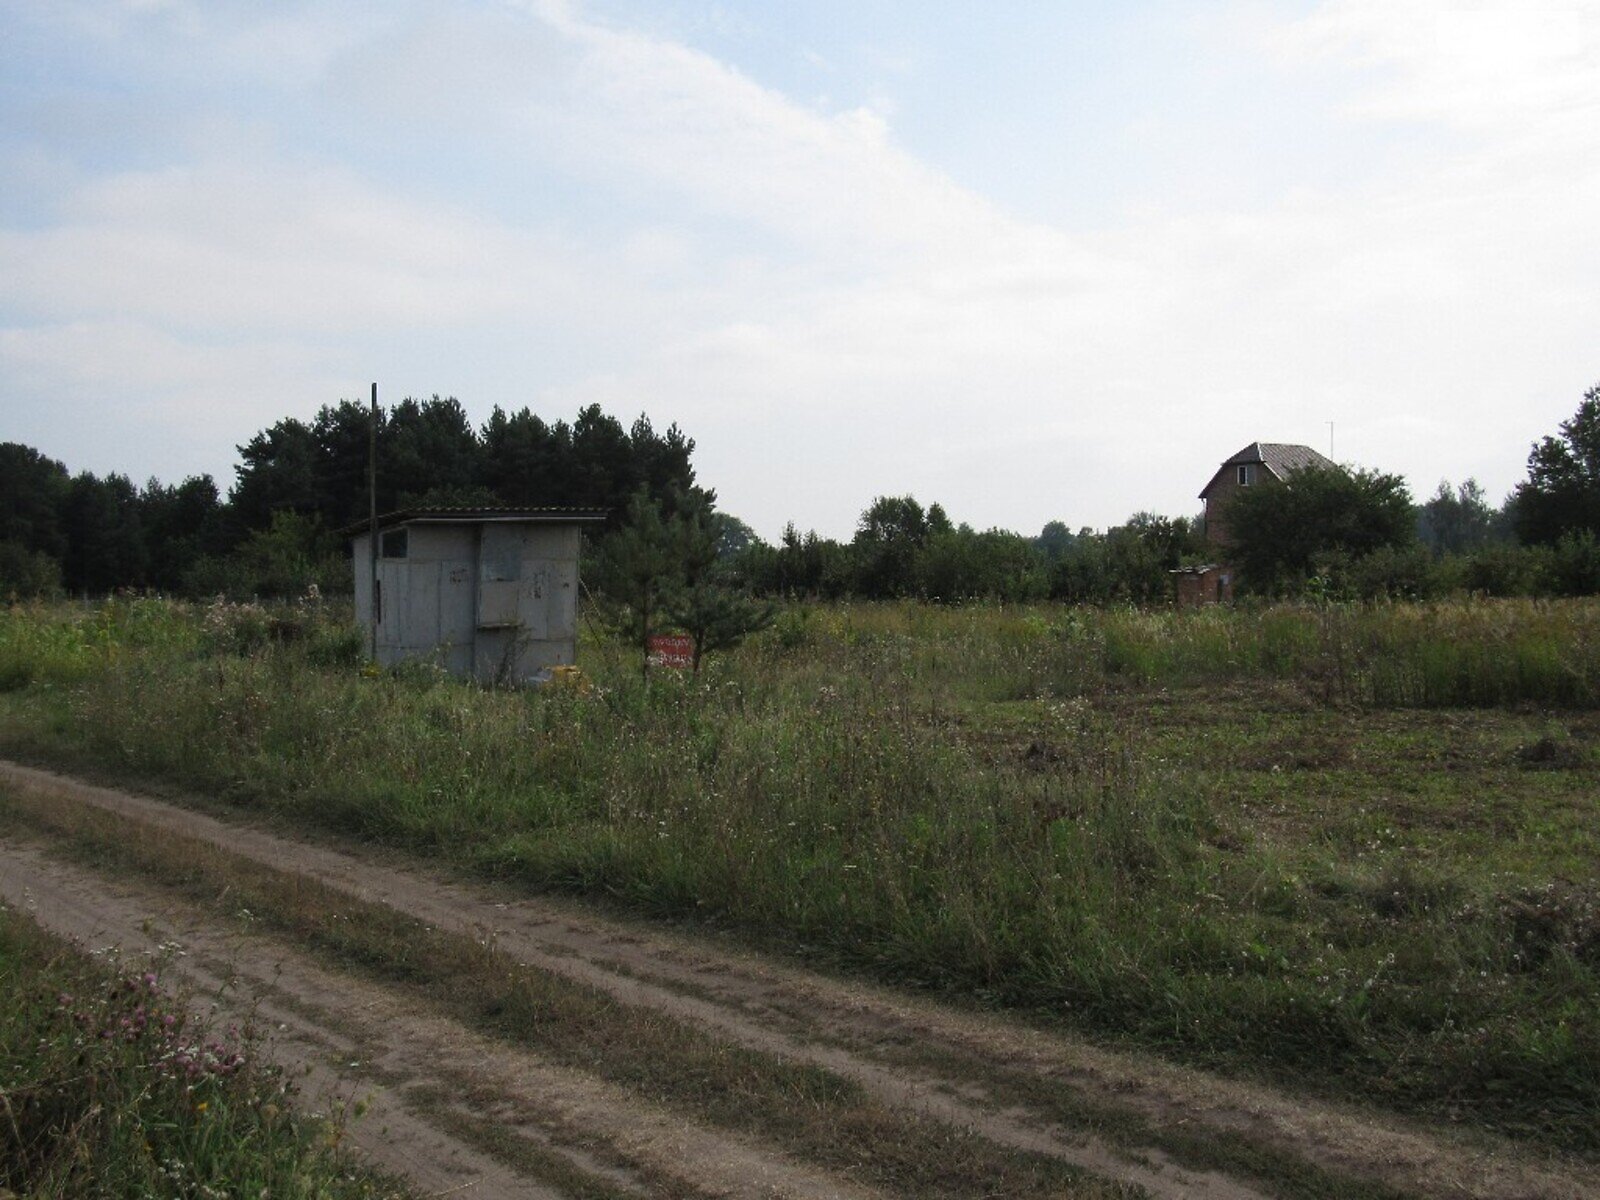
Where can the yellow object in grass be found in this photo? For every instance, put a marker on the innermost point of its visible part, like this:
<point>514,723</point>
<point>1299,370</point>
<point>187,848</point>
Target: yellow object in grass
<point>571,677</point>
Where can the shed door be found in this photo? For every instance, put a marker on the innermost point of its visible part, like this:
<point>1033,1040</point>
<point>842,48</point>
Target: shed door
<point>538,591</point>
<point>499,579</point>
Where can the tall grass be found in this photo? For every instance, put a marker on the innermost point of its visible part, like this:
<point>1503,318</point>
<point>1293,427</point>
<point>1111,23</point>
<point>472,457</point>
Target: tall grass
<point>109,1088</point>
<point>1467,653</point>
<point>65,643</point>
<point>937,796</point>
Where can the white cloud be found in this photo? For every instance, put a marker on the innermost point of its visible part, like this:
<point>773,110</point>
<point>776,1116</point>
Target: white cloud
<point>1455,290</point>
<point>279,44</point>
<point>1487,66</point>
<point>267,245</point>
<point>829,316</point>
<point>644,113</point>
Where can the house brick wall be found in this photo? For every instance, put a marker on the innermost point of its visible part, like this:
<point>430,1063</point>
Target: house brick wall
<point>1219,494</point>
<point>1217,500</point>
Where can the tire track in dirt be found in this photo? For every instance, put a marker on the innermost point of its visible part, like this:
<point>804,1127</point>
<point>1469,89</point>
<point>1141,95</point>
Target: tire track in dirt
<point>346,1041</point>
<point>906,1052</point>
<point>576,952</point>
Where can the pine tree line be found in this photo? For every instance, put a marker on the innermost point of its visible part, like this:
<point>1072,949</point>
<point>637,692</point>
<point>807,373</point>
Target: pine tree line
<point>298,482</point>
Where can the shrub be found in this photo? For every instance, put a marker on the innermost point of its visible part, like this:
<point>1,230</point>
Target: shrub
<point>1575,569</point>
<point>27,574</point>
<point>1505,570</point>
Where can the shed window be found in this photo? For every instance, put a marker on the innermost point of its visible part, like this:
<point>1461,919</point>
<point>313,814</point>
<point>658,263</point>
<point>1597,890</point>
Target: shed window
<point>1247,474</point>
<point>393,543</point>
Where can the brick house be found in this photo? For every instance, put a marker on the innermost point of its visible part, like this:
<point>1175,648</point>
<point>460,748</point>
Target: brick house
<point>1257,464</point>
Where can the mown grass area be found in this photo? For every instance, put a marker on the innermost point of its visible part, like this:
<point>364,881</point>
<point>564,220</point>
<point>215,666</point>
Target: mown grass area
<point>1354,847</point>
<point>108,1088</point>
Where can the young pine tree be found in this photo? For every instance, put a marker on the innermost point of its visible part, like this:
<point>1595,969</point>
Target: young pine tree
<point>715,615</point>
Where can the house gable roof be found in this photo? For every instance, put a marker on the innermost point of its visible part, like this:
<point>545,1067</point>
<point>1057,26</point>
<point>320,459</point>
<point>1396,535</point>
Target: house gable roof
<point>1280,459</point>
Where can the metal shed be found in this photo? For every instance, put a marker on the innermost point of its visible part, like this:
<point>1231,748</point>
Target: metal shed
<point>487,593</point>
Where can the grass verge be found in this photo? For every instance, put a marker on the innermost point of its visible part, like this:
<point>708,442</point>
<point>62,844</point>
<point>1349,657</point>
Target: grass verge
<point>109,1088</point>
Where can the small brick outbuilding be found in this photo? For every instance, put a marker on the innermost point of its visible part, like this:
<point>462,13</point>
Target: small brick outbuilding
<point>1210,583</point>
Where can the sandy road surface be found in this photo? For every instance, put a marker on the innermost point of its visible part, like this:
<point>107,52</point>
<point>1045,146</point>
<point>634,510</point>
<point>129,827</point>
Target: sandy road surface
<point>972,1071</point>
<point>350,1042</point>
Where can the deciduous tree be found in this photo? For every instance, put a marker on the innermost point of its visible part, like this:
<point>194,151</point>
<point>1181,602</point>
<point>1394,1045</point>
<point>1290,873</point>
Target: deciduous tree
<point>1456,520</point>
<point>1562,492</point>
<point>888,537</point>
<point>1281,531</point>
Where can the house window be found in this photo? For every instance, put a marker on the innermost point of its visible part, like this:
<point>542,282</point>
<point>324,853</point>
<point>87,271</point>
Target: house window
<point>393,544</point>
<point>1247,474</point>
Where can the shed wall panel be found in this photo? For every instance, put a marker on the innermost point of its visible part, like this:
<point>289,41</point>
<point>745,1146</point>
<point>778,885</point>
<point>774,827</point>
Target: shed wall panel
<point>439,543</point>
<point>457,603</point>
<point>421,606</point>
<point>494,600</point>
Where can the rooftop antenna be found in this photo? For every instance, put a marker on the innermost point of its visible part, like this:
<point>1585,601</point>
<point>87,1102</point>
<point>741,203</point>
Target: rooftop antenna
<point>372,519</point>
<point>1330,436</point>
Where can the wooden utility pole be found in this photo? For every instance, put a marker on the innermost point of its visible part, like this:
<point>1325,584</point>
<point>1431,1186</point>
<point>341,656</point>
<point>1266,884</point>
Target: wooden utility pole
<point>372,521</point>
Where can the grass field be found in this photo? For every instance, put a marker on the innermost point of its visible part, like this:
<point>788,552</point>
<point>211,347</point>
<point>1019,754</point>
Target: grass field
<point>1358,848</point>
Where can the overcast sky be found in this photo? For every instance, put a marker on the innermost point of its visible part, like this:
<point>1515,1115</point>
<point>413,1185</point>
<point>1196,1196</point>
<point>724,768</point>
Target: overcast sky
<point>1032,260</point>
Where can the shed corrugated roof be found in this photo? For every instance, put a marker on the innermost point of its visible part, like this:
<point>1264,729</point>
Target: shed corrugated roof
<point>1280,459</point>
<point>551,514</point>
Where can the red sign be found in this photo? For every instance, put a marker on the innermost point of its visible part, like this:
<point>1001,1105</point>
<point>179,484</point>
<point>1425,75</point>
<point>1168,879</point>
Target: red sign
<point>671,650</point>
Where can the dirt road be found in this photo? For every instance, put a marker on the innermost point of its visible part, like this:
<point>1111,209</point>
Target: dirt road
<point>716,1073</point>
